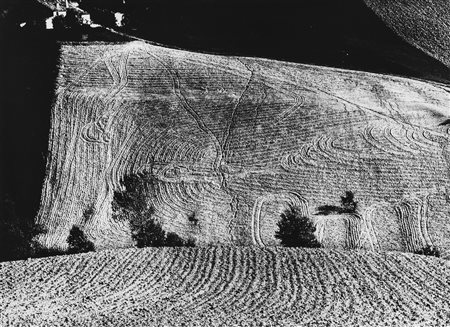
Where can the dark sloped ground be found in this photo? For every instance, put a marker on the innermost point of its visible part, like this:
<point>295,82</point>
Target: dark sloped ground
<point>27,83</point>
<point>226,287</point>
<point>423,23</point>
<point>344,33</point>
<point>28,70</point>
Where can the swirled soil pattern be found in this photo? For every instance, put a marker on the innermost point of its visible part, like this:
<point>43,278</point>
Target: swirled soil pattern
<point>235,140</point>
<point>226,286</point>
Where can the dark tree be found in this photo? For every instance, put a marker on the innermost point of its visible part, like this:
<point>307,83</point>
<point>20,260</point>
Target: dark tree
<point>348,202</point>
<point>296,230</point>
<point>78,242</point>
<point>134,197</point>
<point>146,231</point>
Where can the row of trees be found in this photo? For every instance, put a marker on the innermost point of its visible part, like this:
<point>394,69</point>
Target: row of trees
<point>132,205</point>
<point>17,237</point>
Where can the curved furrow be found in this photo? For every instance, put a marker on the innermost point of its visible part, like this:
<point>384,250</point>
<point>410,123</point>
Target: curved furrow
<point>280,291</point>
<point>196,194</point>
<point>201,278</point>
<point>425,144</point>
<point>372,140</point>
<point>300,298</point>
<point>310,287</point>
<point>253,301</point>
<point>327,302</point>
<point>314,287</point>
<point>156,274</point>
<point>329,153</point>
<point>399,141</point>
<point>244,279</point>
<point>390,288</point>
<point>206,295</point>
<point>414,282</point>
<point>427,267</point>
<point>344,302</point>
<point>166,199</point>
<point>129,263</point>
<point>409,226</point>
<point>161,290</point>
<point>142,158</point>
<point>371,283</point>
<point>227,280</point>
<point>190,269</point>
<point>112,175</point>
<point>248,266</point>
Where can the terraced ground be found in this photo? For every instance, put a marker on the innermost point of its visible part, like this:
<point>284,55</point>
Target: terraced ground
<point>224,286</point>
<point>235,140</point>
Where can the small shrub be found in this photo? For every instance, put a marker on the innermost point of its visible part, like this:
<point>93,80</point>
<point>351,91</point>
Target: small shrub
<point>173,239</point>
<point>295,230</point>
<point>429,250</point>
<point>348,205</point>
<point>88,213</point>
<point>78,242</point>
<point>192,218</point>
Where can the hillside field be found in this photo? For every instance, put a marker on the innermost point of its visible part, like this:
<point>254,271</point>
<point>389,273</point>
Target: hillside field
<point>235,140</point>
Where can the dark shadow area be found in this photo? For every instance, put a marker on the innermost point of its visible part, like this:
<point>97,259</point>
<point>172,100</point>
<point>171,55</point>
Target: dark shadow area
<point>28,70</point>
<point>337,33</point>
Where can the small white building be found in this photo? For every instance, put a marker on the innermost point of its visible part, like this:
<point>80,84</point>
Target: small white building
<point>119,19</point>
<point>86,19</point>
<point>59,12</point>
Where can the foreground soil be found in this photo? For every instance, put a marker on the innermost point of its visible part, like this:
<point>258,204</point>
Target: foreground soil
<point>224,286</point>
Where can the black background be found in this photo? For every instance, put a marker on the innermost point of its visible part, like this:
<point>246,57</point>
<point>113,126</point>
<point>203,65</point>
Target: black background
<point>336,33</point>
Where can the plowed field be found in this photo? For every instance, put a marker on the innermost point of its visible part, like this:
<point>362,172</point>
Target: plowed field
<point>224,286</point>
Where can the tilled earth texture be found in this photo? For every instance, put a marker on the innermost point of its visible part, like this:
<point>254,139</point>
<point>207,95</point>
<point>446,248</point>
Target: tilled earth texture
<point>225,286</point>
<point>234,141</point>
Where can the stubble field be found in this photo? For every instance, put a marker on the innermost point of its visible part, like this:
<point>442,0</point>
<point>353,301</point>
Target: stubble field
<point>233,141</point>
